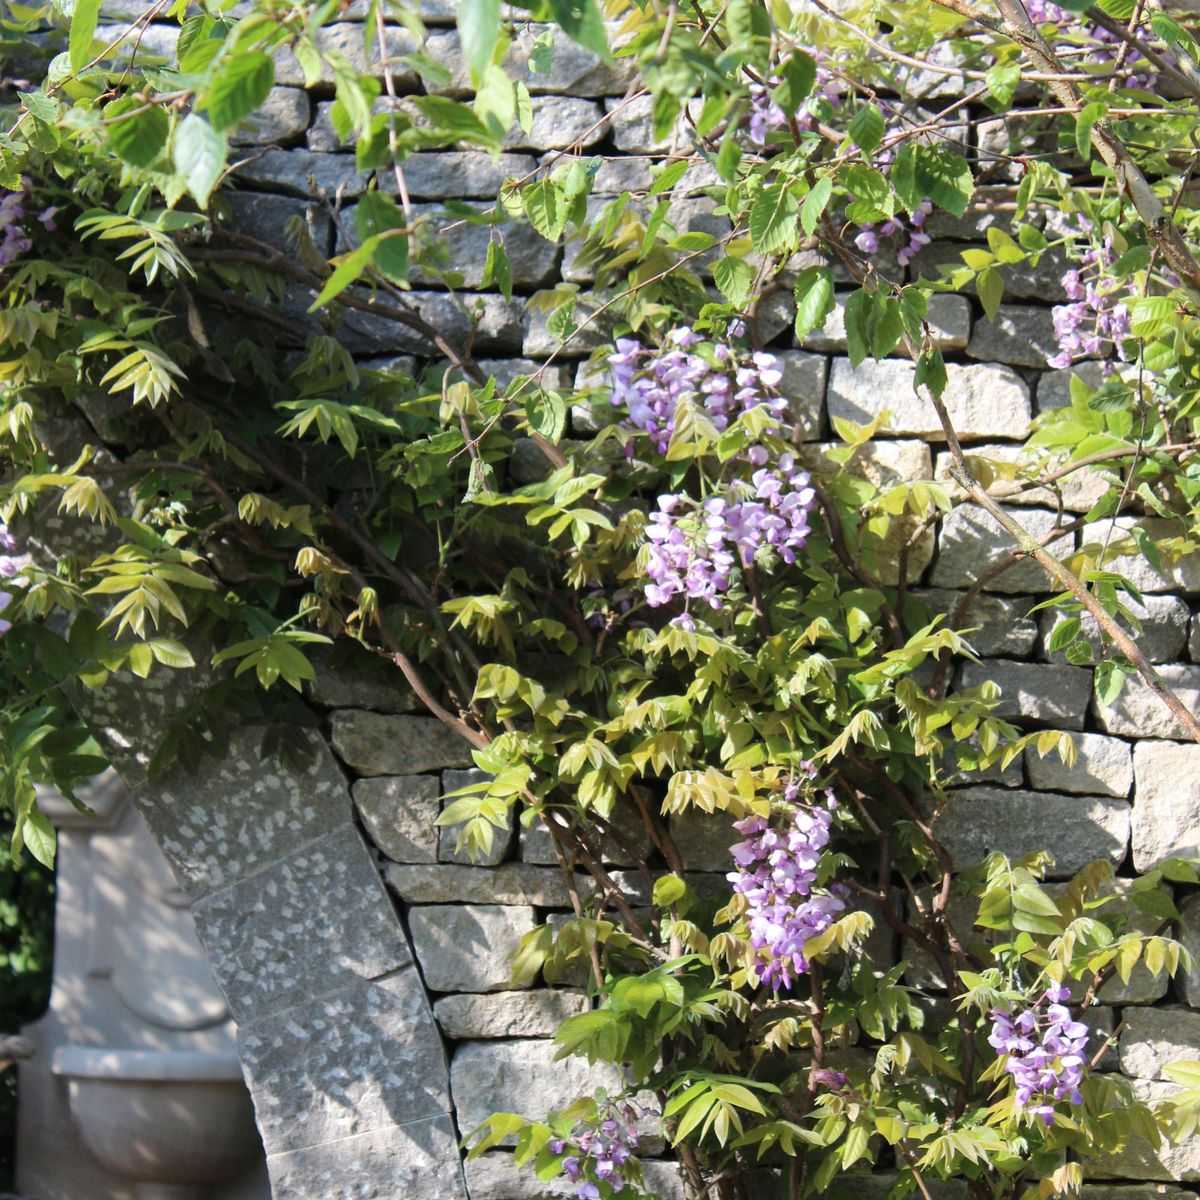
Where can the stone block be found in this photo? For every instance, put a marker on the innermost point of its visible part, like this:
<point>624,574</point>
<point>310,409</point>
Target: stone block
<point>511,883</point>
<point>1143,1161</point>
<point>1136,1191</point>
<point>1020,335</point>
<point>467,947</point>
<point>383,744</point>
<point>398,812</point>
<point>257,215</point>
<point>1193,644</point>
<point>351,1063</point>
<point>357,679</point>
<point>459,175</point>
<point>635,845</point>
<point>507,1014</point>
<point>1177,575</point>
<point>1154,1037</point>
<point>998,625</point>
<point>302,173</point>
<point>314,922</point>
<point>559,122</point>
<point>1164,621</point>
<point>1104,767</point>
<point>982,399</point>
<point>282,117</point>
<point>632,124</point>
<point>1138,712</point>
<point>1078,829</point>
<point>703,839</point>
<point>1189,935</point>
<point>345,39</point>
<point>1011,468</point>
<point>972,541</point>
<point>448,851</point>
<point>1166,803</point>
<point>1034,692</point>
<point>419,1158</point>
<point>541,343</point>
<point>1054,387</point>
<point>949,320</point>
<point>240,812</point>
<point>803,387</point>
<point>1022,281</point>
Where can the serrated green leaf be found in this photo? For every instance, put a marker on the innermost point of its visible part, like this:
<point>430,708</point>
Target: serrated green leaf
<point>240,88</point>
<point>199,156</point>
<point>814,299</point>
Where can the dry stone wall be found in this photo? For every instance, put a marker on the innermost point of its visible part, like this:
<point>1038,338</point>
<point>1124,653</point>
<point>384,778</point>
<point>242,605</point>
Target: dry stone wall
<point>377,1027</point>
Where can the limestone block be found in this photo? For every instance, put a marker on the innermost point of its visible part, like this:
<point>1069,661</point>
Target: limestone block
<point>303,173</point>
<point>510,883</point>
<point>384,744</point>
<point>540,342</point>
<point>1164,621</point>
<point>507,1014</point>
<point>1018,334</point>
<point>1178,575</point>
<point>559,122</point>
<point>1154,1037</point>
<point>1138,712</point>
<point>1189,935</point>
<point>1193,644</point>
<point>1054,387</point>
<point>1104,767</point>
<point>1077,829</point>
<point>983,399</point>
<point>282,117</point>
<point>459,175</point>
<point>448,835</point>
<point>703,839</point>
<point>949,320</point>
<point>505,370</point>
<point>316,921</point>
<point>635,845</point>
<point>619,174</point>
<point>399,812</point>
<point>266,218</point>
<point>1166,804</point>
<point>1022,281</point>
<point>353,1062</point>
<point>998,624</point>
<point>359,680</point>
<point>1046,694</point>
<point>468,947</point>
<point>418,1158</point>
<point>240,812</point>
<point>463,248</point>
<point>1011,467</point>
<point>633,128</point>
<point>971,541</point>
<point>1141,1160</point>
<point>345,38</point>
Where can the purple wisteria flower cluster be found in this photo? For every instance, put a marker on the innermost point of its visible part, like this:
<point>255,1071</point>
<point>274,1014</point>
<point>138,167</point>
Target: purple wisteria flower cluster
<point>1046,1052</point>
<point>14,237</point>
<point>1094,321</point>
<point>9,566</point>
<point>601,1149</point>
<point>777,871</point>
<point>766,116</point>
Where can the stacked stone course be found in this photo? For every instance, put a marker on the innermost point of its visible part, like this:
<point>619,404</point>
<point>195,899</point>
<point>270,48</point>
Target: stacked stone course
<point>372,1043</point>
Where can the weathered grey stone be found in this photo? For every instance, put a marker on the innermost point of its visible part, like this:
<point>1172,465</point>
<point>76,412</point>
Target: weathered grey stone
<point>1154,1037</point>
<point>1141,1160</point>
<point>1138,712</point>
<point>505,370</point>
<point>803,387</point>
<point>468,947</point>
<point>1104,767</point>
<point>527,463</point>
<point>459,175</point>
<point>507,1014</point>
<point>497,1177</point>
<point>520,1077</point>
<point>983,399</point>
<point>1054,387</point>
<point>266,217</point>
<point>878,1185</point>
<point>1193,643</point>
<point>972,541</point>
<point>399,812</point>
<point>559,122</point>
<point>1166,805</point>
<point>303,173</point>
<point>282,117</point>
<point>360,1060</point>
<point>999,625</point>
<point>1007,471</point>
<point>574,71</point>
<point>1077,829</point>
<point>311,923</point>
<point>1021,335</point>
<point>632,124</point>
<point>448,835</point>
<point>1177,575</point>
<point>152,42</point>
<point>703,839</point>
<point>510,883</point>
<point>383,744</point>
<point>240,812</point>
<point>462,247</point>
<point>1022,281</point>
<point>1139,1191</point>
<point>1164,621</point>
<point>345,39</point>
<point>541,343</point>
<point>418,1158</point>
<point>359,680</point>
<point>1189,935</point>
<point>949,320</point>
<point>1045,694</point>
<point>618,174</point>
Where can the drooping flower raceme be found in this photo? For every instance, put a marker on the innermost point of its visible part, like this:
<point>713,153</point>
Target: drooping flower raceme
<point>777,873</point>
<point>9,566</point>
<point>1095,321</point>
<point>601,1150</point>
<point>1046,1052</point>
<point>766,116</point>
